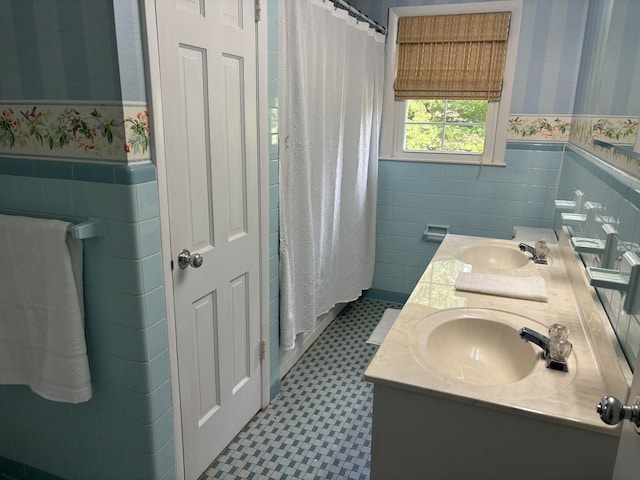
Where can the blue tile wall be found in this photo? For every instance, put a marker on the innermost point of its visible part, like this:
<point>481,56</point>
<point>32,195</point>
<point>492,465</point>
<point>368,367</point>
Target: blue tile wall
<point>619,196</point>
<point>487,203</point>
<point>274,278</point>
<point>126,430</point>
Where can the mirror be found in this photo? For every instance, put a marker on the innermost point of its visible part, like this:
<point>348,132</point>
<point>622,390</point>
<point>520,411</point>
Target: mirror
<point>607,105</point>
<point>605,122</point>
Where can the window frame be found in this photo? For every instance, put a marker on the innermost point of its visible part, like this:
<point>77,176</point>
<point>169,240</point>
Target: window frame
<point>393,112</point>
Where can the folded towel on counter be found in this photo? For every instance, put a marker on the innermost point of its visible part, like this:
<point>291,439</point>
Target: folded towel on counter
<point>529,288</point>
<point>42,340</point>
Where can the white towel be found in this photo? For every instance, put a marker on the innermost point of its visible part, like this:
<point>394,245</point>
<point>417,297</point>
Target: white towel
<point>42,342</point>
<point>384,325</point>
<point>529,288</point>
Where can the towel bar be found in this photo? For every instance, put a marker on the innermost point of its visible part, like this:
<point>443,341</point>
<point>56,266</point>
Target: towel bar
<point>93,227</point>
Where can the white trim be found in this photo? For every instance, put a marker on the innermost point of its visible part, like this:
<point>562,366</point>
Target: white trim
<point>454,161</point>
<point>149,28</point>
<point>263,184</point>
<point>495,146</point>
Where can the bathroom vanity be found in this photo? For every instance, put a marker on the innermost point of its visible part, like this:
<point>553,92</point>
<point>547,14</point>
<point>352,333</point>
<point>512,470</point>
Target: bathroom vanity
<point>458,394</point>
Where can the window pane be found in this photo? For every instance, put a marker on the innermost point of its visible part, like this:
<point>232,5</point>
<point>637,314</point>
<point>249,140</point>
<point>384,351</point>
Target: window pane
<point>423,137</point>
<point>426,121</point>
<point>459,138</point>
<point>425,110</point>
<point>467,111</point>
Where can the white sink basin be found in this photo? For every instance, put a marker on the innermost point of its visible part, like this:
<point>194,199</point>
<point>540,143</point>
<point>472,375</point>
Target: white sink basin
<point>480,351</point>
<point>476,346</point>
<point>493,257</point>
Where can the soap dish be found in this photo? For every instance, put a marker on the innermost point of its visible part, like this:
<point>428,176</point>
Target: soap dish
<point>565,204</point>
<point>573,218</point>
<point>588,245</point>
<point>606,278</point>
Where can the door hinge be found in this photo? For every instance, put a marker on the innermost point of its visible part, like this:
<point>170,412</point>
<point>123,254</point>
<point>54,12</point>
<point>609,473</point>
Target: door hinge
<point>258,10</point>
<point>263,349</point>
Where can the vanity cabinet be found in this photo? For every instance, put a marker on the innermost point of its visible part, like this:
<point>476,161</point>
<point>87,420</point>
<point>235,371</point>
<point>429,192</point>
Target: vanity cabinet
<point>429,423</point>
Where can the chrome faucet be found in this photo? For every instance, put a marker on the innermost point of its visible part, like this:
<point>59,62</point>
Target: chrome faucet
<point>556,350</point>
<point>537,258</point>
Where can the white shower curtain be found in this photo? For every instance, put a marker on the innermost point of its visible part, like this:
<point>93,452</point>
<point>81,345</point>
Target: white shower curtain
<point>330,94</point>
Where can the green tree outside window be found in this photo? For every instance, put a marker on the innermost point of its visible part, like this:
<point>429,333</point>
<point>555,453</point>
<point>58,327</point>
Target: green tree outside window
<point>445,125</point>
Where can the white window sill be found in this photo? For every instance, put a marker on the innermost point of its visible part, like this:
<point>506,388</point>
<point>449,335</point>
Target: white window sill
<point>440,160</point>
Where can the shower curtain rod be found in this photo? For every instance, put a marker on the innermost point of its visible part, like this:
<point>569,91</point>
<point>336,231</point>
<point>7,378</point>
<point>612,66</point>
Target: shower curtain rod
<point>360,16</point>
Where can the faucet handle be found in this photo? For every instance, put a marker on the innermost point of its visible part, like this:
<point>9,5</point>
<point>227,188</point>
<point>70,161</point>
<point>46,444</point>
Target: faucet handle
<point>542,249</point>
<point>559,347</point>
<point>559,350</point>
<point>558,331</point>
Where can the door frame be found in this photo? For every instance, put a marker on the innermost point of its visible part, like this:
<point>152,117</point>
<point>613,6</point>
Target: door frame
<point>149,31</point>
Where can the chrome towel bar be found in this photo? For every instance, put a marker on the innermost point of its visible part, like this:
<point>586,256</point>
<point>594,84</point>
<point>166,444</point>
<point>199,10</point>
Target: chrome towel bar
<point>92,227</point>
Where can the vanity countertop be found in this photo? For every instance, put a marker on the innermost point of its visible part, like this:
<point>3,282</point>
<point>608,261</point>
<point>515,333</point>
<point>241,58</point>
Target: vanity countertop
<point>597,365</point>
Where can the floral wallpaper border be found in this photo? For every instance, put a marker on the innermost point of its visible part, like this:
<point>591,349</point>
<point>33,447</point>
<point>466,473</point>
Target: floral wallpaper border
<point>115,133</point>
<point>547,128</point>
<point>615,130</point>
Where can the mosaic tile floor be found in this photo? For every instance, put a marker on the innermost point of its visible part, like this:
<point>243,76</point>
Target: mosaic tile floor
<point>320,425</point>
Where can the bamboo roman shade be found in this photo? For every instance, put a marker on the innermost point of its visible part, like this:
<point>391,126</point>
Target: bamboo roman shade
<point>455,57</point>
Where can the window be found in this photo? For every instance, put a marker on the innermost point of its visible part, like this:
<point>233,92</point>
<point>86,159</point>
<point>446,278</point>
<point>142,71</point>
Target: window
<point>445,125</point>
<point>454,113</point>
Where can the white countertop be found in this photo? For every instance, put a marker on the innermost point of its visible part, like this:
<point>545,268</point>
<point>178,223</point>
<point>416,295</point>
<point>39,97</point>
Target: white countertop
<point>597,365</point>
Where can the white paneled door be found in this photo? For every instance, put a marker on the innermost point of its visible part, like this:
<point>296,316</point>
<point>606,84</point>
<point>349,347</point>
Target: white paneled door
<point>209,110</point>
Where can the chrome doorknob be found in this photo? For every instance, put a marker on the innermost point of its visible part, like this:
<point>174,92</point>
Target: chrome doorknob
<point>186,258</point>
<point>612,411</point>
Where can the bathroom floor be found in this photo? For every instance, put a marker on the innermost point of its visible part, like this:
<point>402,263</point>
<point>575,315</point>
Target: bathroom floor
<point>319,427</point>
